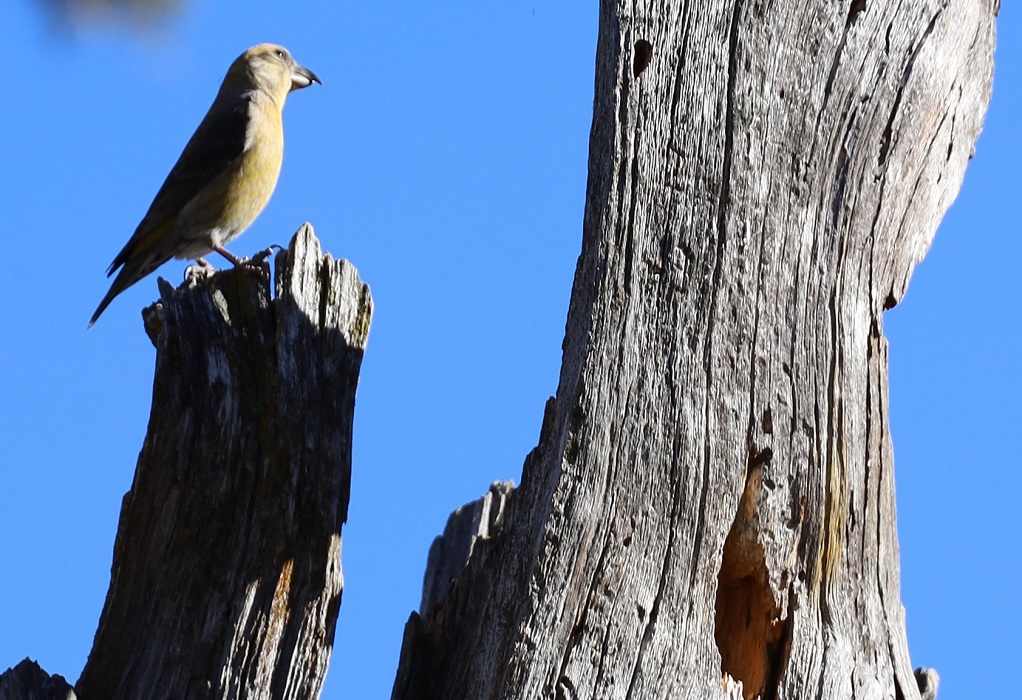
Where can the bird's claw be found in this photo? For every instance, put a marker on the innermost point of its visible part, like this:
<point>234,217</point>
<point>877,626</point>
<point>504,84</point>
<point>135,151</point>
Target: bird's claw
<point>257,263</point>
<point>262,255</point>
<point>199,272</point>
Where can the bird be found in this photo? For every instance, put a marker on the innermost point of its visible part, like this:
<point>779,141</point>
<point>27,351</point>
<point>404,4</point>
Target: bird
<point>224,176</point>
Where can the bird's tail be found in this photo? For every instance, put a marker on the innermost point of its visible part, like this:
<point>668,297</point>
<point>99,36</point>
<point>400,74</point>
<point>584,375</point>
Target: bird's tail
<point>141,256</point>
<point>123,280</point>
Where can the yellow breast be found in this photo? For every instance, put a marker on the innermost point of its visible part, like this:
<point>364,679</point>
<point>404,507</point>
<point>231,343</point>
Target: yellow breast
<point>255,176</point>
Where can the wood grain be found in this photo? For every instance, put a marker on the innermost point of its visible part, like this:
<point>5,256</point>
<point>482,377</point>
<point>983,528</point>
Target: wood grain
<point>712,495</point>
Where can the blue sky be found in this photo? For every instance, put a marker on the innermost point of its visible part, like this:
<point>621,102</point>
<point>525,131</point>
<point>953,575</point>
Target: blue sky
<point>445,156</point>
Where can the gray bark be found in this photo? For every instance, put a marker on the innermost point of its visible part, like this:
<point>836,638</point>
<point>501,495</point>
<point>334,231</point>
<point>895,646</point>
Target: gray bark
<point>712,495</point>
<point>226,579</point>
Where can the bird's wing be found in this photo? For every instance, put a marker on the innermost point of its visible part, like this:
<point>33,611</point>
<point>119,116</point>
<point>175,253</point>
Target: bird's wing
<point>217,142</point>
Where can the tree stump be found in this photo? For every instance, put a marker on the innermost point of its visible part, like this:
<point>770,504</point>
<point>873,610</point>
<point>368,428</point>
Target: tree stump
<point>711,501</point>
<point>226,579</point>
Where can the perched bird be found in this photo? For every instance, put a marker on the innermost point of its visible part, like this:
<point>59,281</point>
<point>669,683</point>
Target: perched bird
<point>225,175</point>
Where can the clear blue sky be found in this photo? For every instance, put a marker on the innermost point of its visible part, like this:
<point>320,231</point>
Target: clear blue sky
<point>445,156</point>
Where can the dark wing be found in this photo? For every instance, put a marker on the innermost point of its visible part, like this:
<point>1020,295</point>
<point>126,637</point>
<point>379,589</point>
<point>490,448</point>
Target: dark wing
<point>218,140</point>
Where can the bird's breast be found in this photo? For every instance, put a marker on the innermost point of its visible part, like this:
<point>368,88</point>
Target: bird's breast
<point>233,200</point>
<point>257,170</point>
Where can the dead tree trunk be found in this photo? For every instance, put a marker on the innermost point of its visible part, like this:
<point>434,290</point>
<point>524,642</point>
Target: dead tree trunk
<point>713,493</point>
<point>226,579</point>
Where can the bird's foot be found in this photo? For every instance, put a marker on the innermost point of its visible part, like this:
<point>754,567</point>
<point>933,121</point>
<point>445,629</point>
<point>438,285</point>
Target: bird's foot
<point>257,263</point>
<point>228,255</point>
<point>200,271</point>
<point>259,267</point>
<point>262,255</point>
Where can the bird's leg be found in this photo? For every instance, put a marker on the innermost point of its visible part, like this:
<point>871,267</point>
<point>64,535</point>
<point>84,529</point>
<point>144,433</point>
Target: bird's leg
<point>255,261</point>
<point>256,264</point>
<point>231,257</point>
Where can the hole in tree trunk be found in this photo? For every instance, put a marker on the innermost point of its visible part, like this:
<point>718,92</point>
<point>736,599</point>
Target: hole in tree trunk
<point>854,10</point>
<point>642,56</point>
<point>752,633</point>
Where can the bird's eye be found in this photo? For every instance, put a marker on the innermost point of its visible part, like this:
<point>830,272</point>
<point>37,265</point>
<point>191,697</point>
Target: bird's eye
<point>280,53</point>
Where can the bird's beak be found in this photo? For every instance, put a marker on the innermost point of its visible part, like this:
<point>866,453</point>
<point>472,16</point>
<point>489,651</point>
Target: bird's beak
<point>302,77</point>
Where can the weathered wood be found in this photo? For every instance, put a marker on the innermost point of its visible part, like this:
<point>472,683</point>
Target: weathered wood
<point>226,579</point>
<point>27,681</point>
<point>450,552</point>
<point>712,495</point>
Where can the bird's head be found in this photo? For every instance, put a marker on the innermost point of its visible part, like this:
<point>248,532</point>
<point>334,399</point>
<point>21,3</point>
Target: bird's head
<point>269,67</point>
